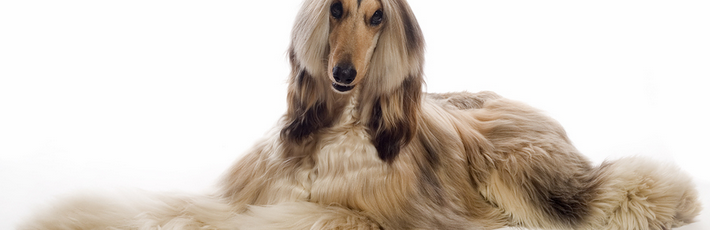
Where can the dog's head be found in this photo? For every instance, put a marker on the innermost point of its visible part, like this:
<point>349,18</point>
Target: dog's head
<point>374,46</point>
<point>355,27</point>
<point>354,42</point>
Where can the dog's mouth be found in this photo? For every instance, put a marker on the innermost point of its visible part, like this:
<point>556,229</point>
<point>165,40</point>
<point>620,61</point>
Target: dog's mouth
<point>342,88</point>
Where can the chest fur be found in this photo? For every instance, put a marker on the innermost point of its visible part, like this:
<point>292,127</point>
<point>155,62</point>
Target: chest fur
<point>347,170</point>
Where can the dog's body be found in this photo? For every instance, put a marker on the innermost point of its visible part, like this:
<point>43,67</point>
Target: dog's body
<point>361,147</point>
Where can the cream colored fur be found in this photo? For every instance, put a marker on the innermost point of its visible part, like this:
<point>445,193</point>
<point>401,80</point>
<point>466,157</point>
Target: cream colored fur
<point>384,155</point>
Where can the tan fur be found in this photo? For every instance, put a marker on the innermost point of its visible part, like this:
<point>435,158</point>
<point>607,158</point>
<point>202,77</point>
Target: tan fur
<point>387,156</point>
<point>352,39</point>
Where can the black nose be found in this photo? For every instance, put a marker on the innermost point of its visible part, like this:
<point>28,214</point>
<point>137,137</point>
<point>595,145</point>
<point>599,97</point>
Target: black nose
<point>344,73</point>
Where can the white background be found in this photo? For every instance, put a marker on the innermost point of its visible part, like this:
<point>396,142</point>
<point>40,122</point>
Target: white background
<point>164,95</point>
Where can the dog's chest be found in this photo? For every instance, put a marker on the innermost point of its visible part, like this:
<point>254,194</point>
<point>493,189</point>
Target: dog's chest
<point>346,150</point>
<point>347,168</point>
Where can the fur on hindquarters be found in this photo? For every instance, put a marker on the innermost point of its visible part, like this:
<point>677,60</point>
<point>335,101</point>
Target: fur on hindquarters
<point>541,180</point>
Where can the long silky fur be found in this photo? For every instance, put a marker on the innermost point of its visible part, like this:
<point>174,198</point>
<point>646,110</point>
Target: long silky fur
<point>388,156</point>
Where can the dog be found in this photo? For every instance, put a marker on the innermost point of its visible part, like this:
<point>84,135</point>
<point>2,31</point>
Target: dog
<point>362,147</point>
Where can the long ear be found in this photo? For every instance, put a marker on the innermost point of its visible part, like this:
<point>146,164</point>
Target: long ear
<point>306,113</point>
<point>309,36</point>
<point>394,118</point>
<point>399,53</point>
<point>395,79</point>
<point>307,105</point>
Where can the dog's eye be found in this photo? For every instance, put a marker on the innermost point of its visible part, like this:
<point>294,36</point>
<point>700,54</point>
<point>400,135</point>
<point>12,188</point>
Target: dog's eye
<point>336,10</point>
<point>376,18</point>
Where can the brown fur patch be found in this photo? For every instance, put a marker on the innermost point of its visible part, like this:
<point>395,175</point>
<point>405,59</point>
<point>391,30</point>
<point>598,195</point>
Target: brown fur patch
<point>393,121</point>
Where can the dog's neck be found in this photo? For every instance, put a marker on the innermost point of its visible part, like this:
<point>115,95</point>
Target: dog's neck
<point>351,113</point>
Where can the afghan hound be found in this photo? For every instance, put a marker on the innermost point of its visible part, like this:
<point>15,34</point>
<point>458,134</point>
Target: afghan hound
<point>362,147</point>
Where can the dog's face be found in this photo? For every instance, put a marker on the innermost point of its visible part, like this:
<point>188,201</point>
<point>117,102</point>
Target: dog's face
<point>355,27</point>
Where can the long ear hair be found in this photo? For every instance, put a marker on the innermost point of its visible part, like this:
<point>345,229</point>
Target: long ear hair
<point>308,104</point>
<point>306,112</point>
<point>395,79</point>
<point>394,119</point>
<point>399,53</point>
<point>309,38</point>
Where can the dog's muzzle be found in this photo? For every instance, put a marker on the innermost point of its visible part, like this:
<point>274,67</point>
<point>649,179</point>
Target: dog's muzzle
<point>344,75</point>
